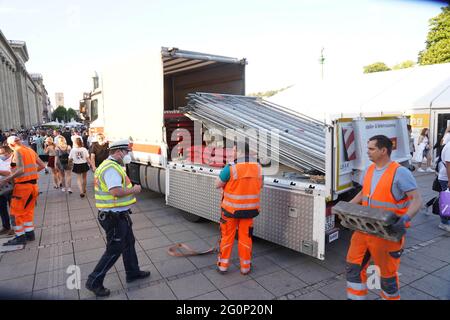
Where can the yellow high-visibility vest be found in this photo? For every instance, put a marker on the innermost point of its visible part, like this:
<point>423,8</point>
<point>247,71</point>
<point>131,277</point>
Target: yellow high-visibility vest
<point>103,198</point>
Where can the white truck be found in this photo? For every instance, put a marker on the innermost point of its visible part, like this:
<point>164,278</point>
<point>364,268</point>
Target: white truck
<point>140,98</point>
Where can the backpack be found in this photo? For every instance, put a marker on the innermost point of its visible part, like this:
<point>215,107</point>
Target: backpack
<point>64,158</point>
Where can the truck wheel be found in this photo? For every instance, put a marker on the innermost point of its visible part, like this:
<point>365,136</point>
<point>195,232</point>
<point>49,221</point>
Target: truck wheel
<point>191,217</point>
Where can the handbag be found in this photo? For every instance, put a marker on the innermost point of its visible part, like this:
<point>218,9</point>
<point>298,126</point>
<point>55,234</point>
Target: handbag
<point>444,203</point>
<point>436,185</point>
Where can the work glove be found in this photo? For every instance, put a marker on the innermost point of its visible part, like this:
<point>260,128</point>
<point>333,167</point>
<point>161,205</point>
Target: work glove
<point>400,226</point>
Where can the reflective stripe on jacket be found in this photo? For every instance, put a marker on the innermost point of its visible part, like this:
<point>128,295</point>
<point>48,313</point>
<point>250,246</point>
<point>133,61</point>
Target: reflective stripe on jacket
<point>382,197</point>
<point>103,198</point>
<point>241,194</point>
<point>29,165</point>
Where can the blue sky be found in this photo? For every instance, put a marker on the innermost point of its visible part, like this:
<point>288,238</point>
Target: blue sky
<point>282,40</point>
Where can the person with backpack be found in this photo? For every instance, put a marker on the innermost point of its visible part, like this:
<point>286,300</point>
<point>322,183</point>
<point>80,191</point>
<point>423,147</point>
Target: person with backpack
<point>64,164</point>
<point>443,164</point>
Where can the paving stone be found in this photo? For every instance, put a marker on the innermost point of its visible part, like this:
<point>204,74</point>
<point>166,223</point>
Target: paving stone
<point>156,292</point>
<point>421,235</point>
<point>86,245</point>
<point>409,274</point>
<point>88,224</point>
<point>262,266</point>
<point>16,286</point>
<point>173,228</point>
<point>248,290</point>
<point>203,261</point>
<point>436,252</point>
<point>55,238</point>
<point>183,236</point>
<point>170,268</point>
<point>160,254</point>
<point>142,225</point>
<point>82,217</point>
<point>163,221</point>
<point>154,276</point>
<point>286,258</point>
<point>55,263</point>
<point>191,286</point>
<point>56,293</point>
<point>435,286</point>
<point>50,279</point>
<point>204,229</point>
<point>13,271</point>
<point>154,243</point>
<point>18,257</point>
<point>260,246</point>
<point>89,256</point>
<point>422,262</point>
<point>280,283</point>
<point>88,233</point>
<point>79,205</point>
<point>232,277</point>
<point>315,295</point>
<point>310,272</point>
<point>410,293</point>
<point>214,295</point>
<point>147,233</point>
<point>443,273</point>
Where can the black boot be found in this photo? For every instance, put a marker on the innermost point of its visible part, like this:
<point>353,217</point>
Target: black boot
<point>16,241</point>
<point>140,275</point>
<point>30,236</point>
<point>99,291</point>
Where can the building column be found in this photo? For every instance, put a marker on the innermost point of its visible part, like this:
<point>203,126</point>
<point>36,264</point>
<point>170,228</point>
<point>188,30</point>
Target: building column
<point>3,114</point>
<point>14,99</point>
<point>8,86</point>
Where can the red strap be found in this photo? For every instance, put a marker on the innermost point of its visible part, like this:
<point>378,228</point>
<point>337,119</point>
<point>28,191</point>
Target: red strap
<point>176,252</point>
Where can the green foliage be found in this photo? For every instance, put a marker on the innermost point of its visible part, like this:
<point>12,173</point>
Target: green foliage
<point>72,114</point>
<point>438,40</point>
<point>404,65</point>
<point>376,67</point>
<point>267,94</point>
<point>60,113</point>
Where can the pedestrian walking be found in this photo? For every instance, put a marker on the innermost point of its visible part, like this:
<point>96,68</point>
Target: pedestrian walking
<point>388,186</point>
<point>64,165</point>
<point>50,150</point>
<point>40,139</point>
<point>241,181</point>
<point>81,163</point>
<point>25,167</point>
<point>444,178</point>
<point>68,136</point>
<point>5,198</point>
<point>424,151</point>
<point>99,150</point>
<point>114,195</point>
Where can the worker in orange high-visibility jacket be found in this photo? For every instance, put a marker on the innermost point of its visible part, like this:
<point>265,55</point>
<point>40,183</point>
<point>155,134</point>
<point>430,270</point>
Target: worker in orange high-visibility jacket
<point>241,181</point>
<point>25,166</point>
<point>387,186</point>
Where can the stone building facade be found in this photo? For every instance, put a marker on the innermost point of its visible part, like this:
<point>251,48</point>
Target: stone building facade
<point>23,97</point>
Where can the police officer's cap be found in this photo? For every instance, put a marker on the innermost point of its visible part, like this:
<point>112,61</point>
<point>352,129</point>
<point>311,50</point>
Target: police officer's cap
<point>121,144</point>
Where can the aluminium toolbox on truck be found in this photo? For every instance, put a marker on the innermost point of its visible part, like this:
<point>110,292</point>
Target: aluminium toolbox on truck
<point>141,98</point>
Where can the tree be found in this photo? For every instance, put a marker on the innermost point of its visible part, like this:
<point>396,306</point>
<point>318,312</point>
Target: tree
<point>60,113</point>
<point>404,65</point>
<point>269,93</point>
<point>438,40</point>
<point>376,67</point>
<point>72,114</point>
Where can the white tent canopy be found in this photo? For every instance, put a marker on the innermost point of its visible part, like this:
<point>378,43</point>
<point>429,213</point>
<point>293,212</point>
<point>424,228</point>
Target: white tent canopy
<point>73,123</point>
<point>52,124</point>
<point>377,93</point>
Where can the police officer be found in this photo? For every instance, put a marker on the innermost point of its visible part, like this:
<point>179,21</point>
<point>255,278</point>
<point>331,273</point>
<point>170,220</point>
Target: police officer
<point>114,194</point>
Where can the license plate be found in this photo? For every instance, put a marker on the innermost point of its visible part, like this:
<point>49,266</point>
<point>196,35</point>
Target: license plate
<point>329,224</point>
<point>334,236</point>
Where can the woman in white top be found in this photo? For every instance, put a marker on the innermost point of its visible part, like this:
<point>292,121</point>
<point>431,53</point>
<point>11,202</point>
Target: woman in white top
<point>81,163</point>
<point>64,164</point>
<point>424,151</point>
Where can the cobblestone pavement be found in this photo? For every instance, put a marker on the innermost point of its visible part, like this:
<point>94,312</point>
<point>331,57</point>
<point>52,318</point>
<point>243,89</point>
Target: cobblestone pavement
<point>68,234</point>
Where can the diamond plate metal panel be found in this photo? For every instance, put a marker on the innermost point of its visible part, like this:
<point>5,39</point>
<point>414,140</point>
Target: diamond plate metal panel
<point>287,216</point>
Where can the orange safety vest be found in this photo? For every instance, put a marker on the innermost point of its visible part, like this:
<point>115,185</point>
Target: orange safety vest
<point>241,194</point>
<point>382,197</point>
<point>29,165</point>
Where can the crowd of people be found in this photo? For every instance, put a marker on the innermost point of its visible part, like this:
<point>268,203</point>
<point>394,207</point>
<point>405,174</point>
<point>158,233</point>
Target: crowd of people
<point>64,152</point>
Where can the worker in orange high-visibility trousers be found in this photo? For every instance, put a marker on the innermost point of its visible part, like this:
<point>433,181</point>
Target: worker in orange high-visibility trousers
<point>241,181</point>
<point>25,166</point>
<point>388,186</point>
